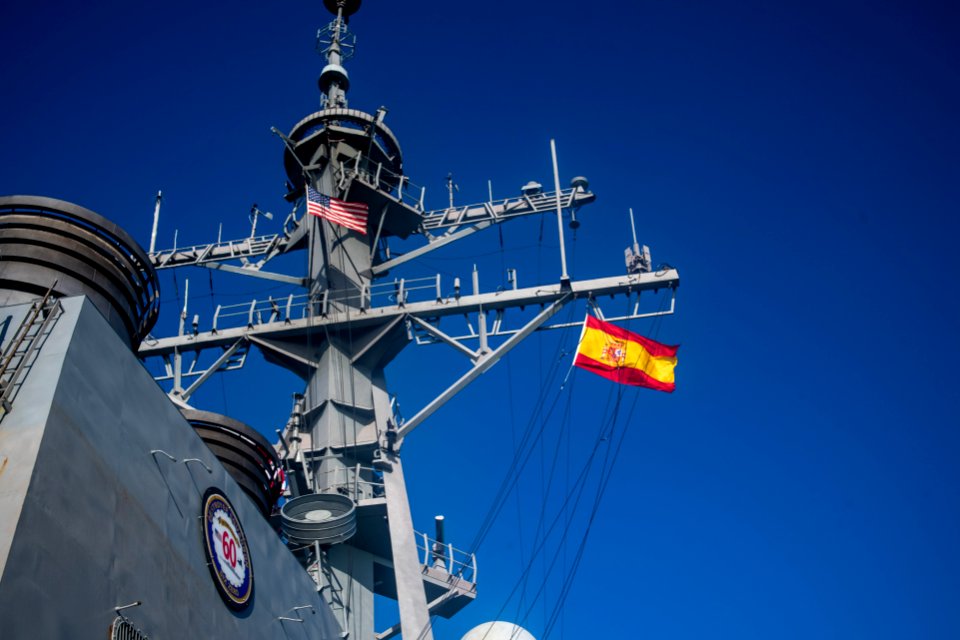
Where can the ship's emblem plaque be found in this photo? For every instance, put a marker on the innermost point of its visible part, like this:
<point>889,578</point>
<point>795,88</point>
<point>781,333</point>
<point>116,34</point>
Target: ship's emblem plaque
<point>227,552</point>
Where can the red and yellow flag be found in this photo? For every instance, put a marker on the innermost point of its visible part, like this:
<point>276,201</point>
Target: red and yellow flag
<point>625,357</point>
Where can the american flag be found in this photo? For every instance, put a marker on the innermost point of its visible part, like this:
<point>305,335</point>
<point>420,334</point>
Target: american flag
<point>352,215</point>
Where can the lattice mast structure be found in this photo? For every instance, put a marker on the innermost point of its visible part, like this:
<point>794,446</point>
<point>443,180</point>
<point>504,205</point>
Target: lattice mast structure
<point>343,437</point>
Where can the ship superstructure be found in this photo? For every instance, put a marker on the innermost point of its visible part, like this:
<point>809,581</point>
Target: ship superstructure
<point>345,516</point>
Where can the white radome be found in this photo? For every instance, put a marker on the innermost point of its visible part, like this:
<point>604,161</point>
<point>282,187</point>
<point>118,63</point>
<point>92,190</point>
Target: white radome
<point>498,631</point>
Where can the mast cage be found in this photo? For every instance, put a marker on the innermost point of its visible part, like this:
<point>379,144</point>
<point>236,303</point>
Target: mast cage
<point>345,435</point>
<point>402,321</point>
<point>421,321</point>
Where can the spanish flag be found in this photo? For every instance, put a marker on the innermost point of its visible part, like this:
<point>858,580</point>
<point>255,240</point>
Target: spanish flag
<point>625,357</point>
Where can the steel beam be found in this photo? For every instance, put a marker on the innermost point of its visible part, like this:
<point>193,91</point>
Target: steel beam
<point>336,321</point>
<point>254,273</point>
<point>431,608</point>
<point>227,354</point>
<point>482,365</point>
<point>440,335</point>
<point>217,251</point>
<point>411,599</point>
<point>480,216</point>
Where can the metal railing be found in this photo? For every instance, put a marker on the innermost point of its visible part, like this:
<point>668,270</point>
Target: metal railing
<point>357,482</point>
<point>385,294</point>
<point>215,252</point>
<point>458,564</point>
<point>123,629</point>
<point>396,294</point>
<point>376,175</point>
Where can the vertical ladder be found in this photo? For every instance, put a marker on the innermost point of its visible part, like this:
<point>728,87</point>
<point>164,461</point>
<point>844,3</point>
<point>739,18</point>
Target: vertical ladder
<point>14,361</point>
<point>329,586</point>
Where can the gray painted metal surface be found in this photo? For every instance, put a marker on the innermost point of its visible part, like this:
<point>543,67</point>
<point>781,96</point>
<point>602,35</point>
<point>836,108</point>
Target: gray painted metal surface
<point>100,521</point>
<point>22,429</point>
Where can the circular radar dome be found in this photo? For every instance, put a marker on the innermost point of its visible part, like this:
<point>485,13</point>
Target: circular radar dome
<point>498,630</point>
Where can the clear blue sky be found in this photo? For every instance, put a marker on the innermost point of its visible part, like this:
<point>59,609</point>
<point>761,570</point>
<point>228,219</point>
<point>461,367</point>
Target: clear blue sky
<point>798,165</point>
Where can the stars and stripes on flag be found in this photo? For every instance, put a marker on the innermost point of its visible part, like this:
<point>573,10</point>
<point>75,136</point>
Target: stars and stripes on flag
<point>625,357</point>
<point>352,215</point>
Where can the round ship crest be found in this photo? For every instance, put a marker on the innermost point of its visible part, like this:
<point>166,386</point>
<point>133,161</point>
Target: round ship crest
<point>227,551</point>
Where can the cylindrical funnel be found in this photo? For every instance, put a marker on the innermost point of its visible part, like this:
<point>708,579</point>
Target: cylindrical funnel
<point>45,241</point>
<point>249,458</point>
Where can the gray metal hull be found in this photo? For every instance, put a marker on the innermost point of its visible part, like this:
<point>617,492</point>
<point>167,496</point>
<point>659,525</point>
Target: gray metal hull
<point>91,520</point>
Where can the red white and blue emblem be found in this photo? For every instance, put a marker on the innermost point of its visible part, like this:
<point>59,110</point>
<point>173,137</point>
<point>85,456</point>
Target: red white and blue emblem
<point>614,352</point>
<point>227,550</point>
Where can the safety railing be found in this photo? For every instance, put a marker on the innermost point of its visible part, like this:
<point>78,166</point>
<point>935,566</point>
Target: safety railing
<point>376,175</point>
<point>214,252</point>
<point>439,555</point>
<point>398,294</point>
<point>384,294</point>
<point>357,482</point>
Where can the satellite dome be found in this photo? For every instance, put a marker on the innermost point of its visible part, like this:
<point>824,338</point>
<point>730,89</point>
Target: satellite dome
<point>498,631</point>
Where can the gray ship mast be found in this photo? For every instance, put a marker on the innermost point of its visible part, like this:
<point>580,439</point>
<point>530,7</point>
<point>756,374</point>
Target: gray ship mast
<point>347,515</point>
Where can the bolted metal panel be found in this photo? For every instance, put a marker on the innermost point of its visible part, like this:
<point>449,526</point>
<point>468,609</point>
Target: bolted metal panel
<point>46,242</point>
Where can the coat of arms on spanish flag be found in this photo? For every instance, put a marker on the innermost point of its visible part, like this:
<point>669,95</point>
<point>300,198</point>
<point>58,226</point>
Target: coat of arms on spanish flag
<point>625,357</point>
